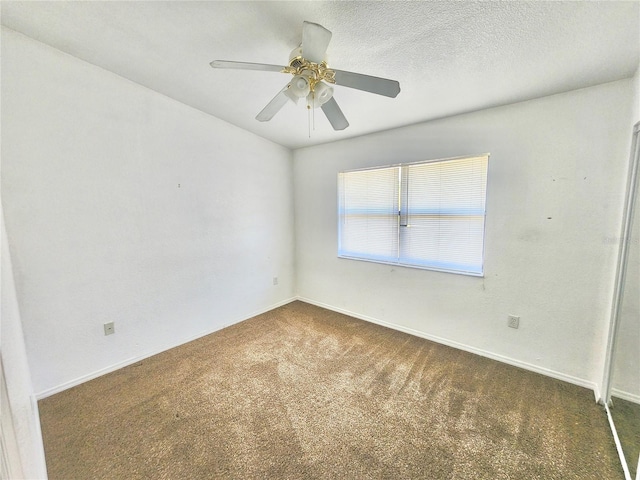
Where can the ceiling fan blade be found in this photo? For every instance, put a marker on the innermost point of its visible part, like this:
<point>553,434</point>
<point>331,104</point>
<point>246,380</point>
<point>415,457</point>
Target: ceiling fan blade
<point>315,40</point>
<point>273,106</point>
<point>246,66</point>
<point>335,115</point>
<point>380,86</point>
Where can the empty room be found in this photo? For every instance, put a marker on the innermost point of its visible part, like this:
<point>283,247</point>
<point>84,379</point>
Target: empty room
<point>323,240</point>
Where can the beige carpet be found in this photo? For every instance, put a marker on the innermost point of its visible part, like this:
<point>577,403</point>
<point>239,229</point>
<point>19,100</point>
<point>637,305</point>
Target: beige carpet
<point>626,416</point>
<point>305,393</point>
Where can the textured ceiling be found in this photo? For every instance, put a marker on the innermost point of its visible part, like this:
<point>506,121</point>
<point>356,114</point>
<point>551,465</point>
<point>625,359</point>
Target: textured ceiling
<point>449,57</point>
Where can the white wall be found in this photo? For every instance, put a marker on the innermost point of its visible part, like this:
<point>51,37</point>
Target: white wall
<point>556,177</point>
<point>124,205</point>
<point>21,437</point>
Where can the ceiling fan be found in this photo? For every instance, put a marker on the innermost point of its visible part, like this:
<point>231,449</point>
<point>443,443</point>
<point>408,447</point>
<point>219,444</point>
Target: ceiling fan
<point>312,78</point>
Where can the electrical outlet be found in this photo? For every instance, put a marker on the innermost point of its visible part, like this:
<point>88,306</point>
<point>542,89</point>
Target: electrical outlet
<point>513,321</point>
<point>275,280</point>
<point>109,328</point>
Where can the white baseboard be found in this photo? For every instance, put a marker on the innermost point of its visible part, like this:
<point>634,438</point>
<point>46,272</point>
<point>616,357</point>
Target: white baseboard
<point>467,348</point>
<point>40,461</point>
<point>596,393</point>
<point>629,397</point>
<point>111,368</point>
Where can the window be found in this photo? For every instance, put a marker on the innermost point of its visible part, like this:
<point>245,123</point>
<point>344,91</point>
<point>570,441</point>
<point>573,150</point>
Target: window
<point>426,215</point>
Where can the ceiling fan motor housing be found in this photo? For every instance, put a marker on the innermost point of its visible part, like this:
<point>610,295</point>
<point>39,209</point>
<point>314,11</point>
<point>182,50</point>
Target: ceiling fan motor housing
<point>295,57</point>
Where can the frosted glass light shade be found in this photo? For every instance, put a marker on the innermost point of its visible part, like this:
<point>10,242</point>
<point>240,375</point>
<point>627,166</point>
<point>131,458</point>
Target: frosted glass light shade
<point>300,86</point>
<point>322,94</point>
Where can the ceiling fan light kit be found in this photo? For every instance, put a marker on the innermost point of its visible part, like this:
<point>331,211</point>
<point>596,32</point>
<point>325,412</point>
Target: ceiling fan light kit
<point>312,78</point>
<point>320,95</point>
<point>300,86</point>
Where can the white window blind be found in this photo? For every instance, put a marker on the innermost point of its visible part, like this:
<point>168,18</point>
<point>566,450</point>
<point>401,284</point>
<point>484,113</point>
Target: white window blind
<point>369,214</point>
<point>427,215</point>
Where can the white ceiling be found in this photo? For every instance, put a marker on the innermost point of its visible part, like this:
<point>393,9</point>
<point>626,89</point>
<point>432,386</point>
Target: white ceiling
<point>449,57</point>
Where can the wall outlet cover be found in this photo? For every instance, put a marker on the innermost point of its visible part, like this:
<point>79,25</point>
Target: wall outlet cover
<point>109,328</point>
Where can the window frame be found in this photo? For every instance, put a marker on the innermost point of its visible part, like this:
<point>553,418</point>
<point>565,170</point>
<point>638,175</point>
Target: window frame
<point>404,194</point>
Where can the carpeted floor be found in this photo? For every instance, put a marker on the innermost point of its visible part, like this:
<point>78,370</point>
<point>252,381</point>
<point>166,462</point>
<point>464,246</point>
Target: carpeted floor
<point>304,393</point>
<point>626,416</point>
